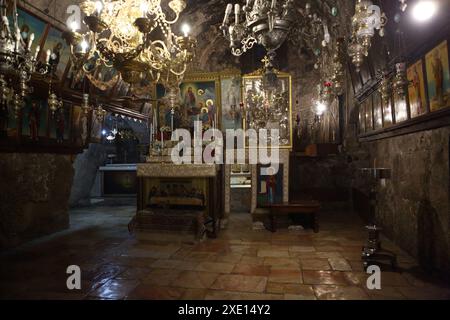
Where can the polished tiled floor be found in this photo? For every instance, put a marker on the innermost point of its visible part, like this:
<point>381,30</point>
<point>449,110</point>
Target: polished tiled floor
<point>240,264</point>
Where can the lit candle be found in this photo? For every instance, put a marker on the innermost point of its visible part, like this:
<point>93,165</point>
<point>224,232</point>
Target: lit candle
<point>186,29</point>
<point>227,13</point>
<point>237,12</point>
<point>144,8</point>
<point>30,42</point>
<point>18,36</point>
<point>98,7</point>
<point>49,53</point>
<point>274,4</point>
<point>38,48</point>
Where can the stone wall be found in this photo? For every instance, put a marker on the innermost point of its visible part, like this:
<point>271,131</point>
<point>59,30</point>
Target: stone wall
<point>86,166</point>
<point>414,206</point>
<point>34,194</point>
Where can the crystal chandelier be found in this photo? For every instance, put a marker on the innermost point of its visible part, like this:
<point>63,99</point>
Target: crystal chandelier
<point>17,62</point>
<point>133,37</point>
<point>266,22</point>
<point>368,18</point>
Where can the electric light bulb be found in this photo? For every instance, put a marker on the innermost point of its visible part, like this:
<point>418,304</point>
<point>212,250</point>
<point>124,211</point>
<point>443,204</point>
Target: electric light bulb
<point>98,6</point>
<point>186,29</point>
<point>144,8</point>
<point>321,108</point>
<point>74,26</point>
<point>424,10</point>
<point>84,46</point>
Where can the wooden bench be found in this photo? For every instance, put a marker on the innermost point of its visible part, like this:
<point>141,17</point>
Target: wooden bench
<point>310,208</point>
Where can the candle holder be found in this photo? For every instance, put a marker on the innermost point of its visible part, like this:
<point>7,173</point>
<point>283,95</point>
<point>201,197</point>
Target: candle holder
<point>372,252</point>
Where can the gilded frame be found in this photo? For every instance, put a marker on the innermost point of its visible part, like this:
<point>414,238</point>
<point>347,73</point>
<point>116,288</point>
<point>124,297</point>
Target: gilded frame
<point>259,75</point>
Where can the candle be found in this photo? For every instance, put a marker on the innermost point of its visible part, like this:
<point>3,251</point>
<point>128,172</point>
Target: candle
<point>274,4</point>
<point>49,53</point>
<point>171,119</point>
<point>38,48</point>
<point>237,12</point>
<point>30,42</point>
<point>227,13</point>
<point>162,139</point>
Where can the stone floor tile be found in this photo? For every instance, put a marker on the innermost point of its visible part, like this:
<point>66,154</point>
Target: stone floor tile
<point>386,293</point>
<point>115,289</point>
<point>251,270</point>
<point>332,292</point>
<point>286,276</point>
<point>302,290</point>
<point>215,267</point>
<point>315,264</point>
<point>240,296</point>
<point>240,283</point>
<point>151,292</point>
<point>194,294</point>
<point>282,263</point>
<point>161,277</point>
<point>195,280</point>
<point>324,277</point>
<point>339,264</point>
<point>273,253</point>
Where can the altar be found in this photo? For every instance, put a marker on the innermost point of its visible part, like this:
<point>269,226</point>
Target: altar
<point>183,198</point>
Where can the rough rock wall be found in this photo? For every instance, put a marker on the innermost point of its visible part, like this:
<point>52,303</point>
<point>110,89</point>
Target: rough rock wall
<point>85,167</point>
<point>34,194</point>
<point>414,206</point>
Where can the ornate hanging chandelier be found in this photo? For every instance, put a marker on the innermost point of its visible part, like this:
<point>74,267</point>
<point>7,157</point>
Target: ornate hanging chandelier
<point>266,22</point>
<point>133,37</point>
<point>17,62</point>
<point>368,18</point>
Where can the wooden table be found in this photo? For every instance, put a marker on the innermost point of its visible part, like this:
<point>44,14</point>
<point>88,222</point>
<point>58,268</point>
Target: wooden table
<point>310,208</point>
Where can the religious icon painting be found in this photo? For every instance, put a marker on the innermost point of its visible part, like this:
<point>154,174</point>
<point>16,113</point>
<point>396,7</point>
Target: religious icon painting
<point>59,52</point>
<point>416,89</point>
<point>60,124</point>
<point>438,77</point>
<point>377,111</point>
<point>270,185</point>
<point>34,119</point>
<point>269,109</point>
<point>199,102</point>
<point>96,129</point>
<point>232,108</point>
<point>30,24</point>
<point>80,125</point>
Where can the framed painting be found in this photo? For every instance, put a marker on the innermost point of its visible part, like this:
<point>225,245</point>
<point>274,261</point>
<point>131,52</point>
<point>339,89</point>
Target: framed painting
<point>377,111</point>
<point>270,110</point>
<point>31,24</point>
<point>200,100</point>
<point>60,124</point>
<point>438,79</point>
<point>416,89</point>
<point>270,187</point>
<point>96,129</point>
<point>80,126</point>
<point>232,108</point>
<point>35,119</point>
<point>368,114</point>
<point>60,52</point>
